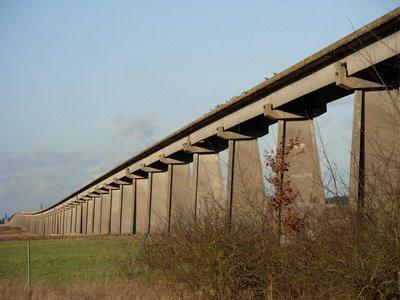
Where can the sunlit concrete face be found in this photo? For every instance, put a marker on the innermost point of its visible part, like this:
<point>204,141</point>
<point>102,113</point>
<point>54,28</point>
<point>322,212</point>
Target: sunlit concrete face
<point>158,202</point>
<point>245,189</point>
<point>304,169</point>
<point>375,150</point>
<point>181,204</point>
<point>79,218</point>
<point>97,215</point>
<point>207,186</point>
<point>84,217</point>
<point>116,211</point>
<point>128,208</point>
<point>90,217</point>
<point>105,213</point>
<point>142,206</point>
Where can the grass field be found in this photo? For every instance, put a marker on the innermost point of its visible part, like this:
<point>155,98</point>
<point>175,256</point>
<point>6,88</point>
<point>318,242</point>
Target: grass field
<point>68,260</point>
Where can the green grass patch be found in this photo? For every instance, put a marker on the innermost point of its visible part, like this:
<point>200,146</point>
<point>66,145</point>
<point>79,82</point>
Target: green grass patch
<point>59,261</point>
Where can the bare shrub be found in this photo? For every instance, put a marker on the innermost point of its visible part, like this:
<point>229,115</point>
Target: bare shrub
<point>344,256</point>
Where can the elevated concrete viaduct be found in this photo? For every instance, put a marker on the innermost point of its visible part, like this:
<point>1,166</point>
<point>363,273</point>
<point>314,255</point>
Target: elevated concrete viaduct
<point>181,174</point>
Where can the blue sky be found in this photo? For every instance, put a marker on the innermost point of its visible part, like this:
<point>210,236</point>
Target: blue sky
<point>78,79</point>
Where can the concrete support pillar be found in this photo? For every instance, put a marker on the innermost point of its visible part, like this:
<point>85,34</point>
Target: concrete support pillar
<point>65,220</point>
<point>245,185</point>
<point>97,215</point>
<point>62,222</point>
<point>304,171</point>
<point>73,216</point>
<point>79,218</point>
<point>375,163</point>
<point>157,200</point>
<point>206,184</point>
<point>115,225</point>
<point>142,206</point>
<point>90,217</point>
<point>180,204</point>
<point>128,208</point>
<point>71,219</point>
<point>56,222</point>
<point>105,213</point>
<point>42,225</point>
<point>85,217</point>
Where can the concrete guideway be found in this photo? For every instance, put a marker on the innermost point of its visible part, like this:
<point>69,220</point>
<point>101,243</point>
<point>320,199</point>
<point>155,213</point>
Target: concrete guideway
<point>181,173</point>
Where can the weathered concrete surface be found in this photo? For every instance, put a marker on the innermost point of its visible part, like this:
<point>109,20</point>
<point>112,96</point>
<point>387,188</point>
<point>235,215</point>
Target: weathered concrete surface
<point>128,208</point>
<point>105,214</point>
<point>304,171</point>
<point>180,202</point>
<point>90,217</point>
<point>142,206</point>
<point>245,186</point>
<point>97,215</point>
<point>73,212</point>
<point>158,202</point>
<point>79,218</point>
<point>116,211</point>
<point>67,220</point>
<point>207,187</point>
<point>375,151</point>
<point>84,217</point>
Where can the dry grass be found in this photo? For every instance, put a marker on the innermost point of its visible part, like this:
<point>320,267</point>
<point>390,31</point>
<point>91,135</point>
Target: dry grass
<point>125,290</point>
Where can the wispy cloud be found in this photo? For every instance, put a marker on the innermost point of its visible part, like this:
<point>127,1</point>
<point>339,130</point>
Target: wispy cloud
<point>45,176</point>
<point>133,133</point>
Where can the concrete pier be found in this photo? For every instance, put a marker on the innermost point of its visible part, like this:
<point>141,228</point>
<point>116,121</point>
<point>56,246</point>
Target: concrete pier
<point>90,217</point>
<point>304,170</point>
<point>245,186</point>
<point>375,148</point>
<point>207,187</point>
<point>158,202</point>
<point>105,214</point>
<point>116,211</point>
<point>97,215</point>
<point>84,217</point>
<point>180,204</point>
<point>128,208</point>
<point>142,206</point>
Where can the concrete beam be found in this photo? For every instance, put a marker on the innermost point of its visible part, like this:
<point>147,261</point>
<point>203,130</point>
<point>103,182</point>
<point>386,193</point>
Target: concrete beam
<point>347,82</point>
<point>129,175</point>
<point>231,135</point>
<point>109,187</point>
<point>196,149</point>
